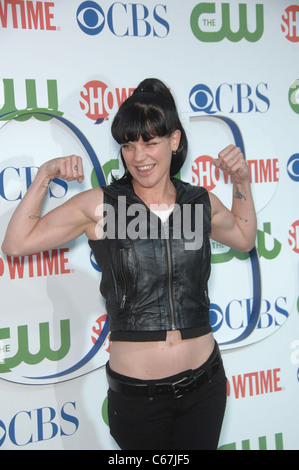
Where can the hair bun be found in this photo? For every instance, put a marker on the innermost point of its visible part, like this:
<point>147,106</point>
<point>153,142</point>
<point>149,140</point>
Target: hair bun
<point>155,86</point>
<point>151,85</point>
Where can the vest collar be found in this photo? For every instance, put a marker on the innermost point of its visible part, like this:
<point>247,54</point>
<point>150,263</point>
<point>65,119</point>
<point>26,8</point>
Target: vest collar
<point>185,192</point>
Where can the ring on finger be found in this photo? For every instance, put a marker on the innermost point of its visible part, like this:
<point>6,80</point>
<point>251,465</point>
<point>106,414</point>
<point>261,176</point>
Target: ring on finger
<point>76,167</point>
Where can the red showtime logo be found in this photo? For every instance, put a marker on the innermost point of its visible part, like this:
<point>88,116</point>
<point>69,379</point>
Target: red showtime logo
<point>97,100</point>
<point>205,174</point>
<point>294,237</point>
<point>1,267</point>
<point>290,23</point>
<point>254,383</point>
<point>23,14</point>
<point>46,263</point>
<point>97,330</point>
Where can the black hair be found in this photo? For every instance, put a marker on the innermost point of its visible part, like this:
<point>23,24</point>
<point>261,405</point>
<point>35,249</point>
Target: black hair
<point>149,112</point>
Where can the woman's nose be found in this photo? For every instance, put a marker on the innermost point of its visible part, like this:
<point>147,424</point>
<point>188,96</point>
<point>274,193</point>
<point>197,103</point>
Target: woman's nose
<point>139,154</point>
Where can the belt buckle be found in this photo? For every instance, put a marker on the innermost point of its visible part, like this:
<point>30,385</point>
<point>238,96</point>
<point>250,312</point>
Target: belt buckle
<point>176,390</point>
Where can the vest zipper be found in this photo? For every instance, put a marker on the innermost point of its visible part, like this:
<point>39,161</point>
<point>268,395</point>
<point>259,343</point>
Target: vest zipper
<point>122,271</point>
<point>169,263</point>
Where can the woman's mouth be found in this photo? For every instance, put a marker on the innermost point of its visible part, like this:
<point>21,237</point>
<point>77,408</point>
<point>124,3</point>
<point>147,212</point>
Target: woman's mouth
<point>146,169</point>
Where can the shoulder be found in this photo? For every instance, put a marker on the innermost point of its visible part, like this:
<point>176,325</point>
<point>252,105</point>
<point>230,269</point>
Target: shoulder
<point>213,199</point>
<point>187,191</point>
<point>216,205</point>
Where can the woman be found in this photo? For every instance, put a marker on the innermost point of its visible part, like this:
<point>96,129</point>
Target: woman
<point>167,386</point>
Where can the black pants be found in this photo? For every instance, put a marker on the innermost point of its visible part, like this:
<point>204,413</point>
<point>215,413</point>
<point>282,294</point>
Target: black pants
<point>191,422</point>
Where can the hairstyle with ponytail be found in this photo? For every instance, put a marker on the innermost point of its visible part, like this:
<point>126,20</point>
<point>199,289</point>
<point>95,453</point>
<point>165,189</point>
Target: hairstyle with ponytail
<point>149,112</point>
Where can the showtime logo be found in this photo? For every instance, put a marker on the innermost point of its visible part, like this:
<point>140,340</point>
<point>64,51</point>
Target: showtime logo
<point>254,383</point>
<point>27,14</point>
<point>40,264</point>
<point>294,237</point>
<point>98,100</point>
<point>97,330</point>
<point>205,174</point>
<point>290,23</point>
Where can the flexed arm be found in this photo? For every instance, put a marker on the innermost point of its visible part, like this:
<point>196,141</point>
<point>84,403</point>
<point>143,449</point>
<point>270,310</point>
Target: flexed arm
<point>28,232</point>
<point>235,228</point>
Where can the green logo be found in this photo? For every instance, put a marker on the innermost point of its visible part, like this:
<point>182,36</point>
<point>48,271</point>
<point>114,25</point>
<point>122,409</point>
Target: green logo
<point>262,443</point>
<point>10,108</point>
<point>294,96</point>
<point>105,411</point>
<point>199,20</point>
<point>267,247</point>
<point>24,355</point>
<point>107,169</point>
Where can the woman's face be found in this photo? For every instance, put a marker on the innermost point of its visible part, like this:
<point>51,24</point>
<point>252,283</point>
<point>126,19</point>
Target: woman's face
<point>149,162</point>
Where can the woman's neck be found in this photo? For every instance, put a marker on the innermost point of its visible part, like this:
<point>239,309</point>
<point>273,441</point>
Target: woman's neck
<point>164,193</point>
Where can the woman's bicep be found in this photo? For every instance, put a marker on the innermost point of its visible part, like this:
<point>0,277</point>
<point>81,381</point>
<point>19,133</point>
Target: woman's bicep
<point>59,226</point>
<point>224,227</point>
<point>222,219</point>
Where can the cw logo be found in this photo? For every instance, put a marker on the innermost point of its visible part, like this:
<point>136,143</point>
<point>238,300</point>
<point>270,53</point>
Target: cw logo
<point>9,110</point>
<point>262,443</point>
<point>198,21</point>
<point>24,355</point>
<point>262,248</point>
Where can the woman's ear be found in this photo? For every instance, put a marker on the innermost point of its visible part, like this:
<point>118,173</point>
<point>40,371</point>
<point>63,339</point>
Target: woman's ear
<point>175,139</point>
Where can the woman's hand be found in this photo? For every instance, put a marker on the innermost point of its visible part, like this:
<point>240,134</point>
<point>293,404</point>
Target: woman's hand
<point>231,160</point>
<point>235,228</point>
<point>28,232</point>
<point>67,168</point>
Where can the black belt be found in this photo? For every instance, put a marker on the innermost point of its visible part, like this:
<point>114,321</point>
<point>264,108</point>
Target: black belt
<point>189,383</point>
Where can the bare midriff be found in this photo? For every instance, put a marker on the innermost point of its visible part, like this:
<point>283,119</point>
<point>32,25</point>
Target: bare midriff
<point>158,359</point>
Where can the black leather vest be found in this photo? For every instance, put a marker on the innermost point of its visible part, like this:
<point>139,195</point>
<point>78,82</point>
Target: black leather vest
<point>157,281</point>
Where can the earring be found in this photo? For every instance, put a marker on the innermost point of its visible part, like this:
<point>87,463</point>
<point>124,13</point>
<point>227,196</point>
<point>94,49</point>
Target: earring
<point>174,153</point>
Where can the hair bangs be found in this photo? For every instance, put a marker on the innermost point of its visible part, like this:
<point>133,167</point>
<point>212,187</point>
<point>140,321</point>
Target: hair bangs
<point>138,121</point>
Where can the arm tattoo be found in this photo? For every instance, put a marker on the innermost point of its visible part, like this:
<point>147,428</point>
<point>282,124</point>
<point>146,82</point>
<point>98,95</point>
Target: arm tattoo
<point>241,218</point>
<point>238,194</point>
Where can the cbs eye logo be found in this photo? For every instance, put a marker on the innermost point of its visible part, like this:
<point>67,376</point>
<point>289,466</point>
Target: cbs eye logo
<point>293,167</point>
<point>90,18</point>
<point>201,99</point>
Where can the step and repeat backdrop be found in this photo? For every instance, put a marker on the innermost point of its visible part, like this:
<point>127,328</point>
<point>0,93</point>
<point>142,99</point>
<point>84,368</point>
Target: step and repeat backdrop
<point>66,66</point>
